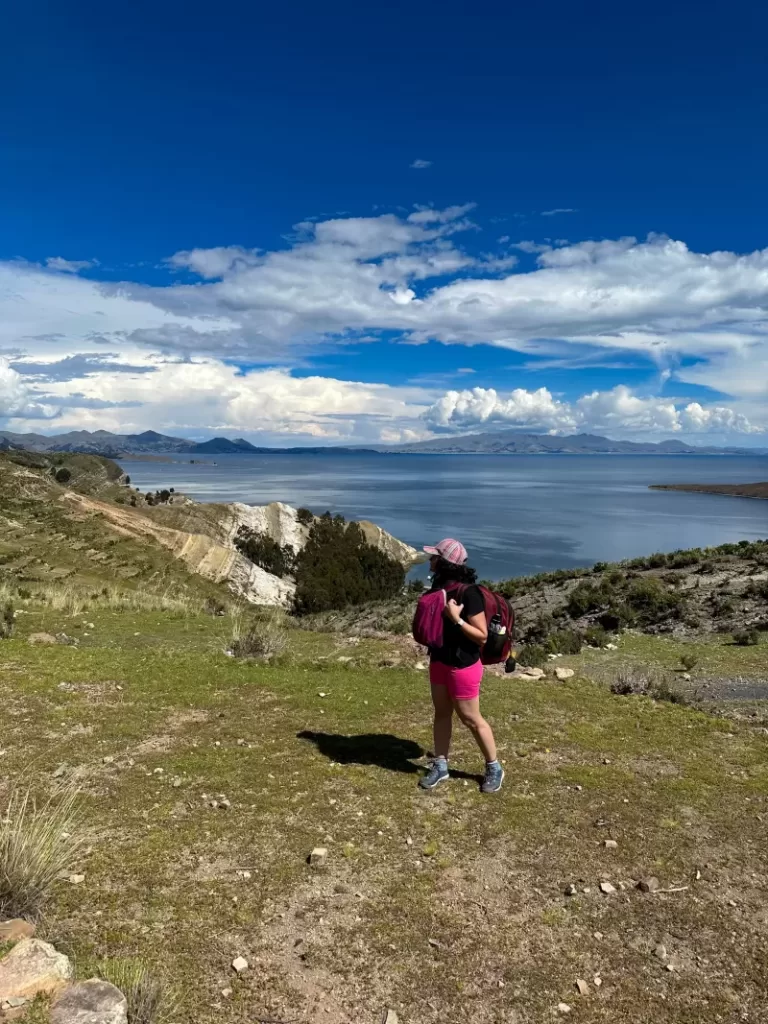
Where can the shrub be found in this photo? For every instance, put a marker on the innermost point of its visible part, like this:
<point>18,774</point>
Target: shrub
<point>150,999</point>
<point>37,844</point>
<point>415,587</point>
<point>7,621</point>
<point>635,680</point>
<point>533,655</point>
<point>62,475</point>
<point>337,568</point>
<point>564,641</point>
<point>757,590</point>
<point>586,597</point>
<point>747,638</point>
<point>689,660</point>
<point>265,552</point>
<point>263,640</point>
<point>650,601</point>
<point>596,636</point>
<point>304,516</point>
<point>213,606</point>
<point>657,560</point>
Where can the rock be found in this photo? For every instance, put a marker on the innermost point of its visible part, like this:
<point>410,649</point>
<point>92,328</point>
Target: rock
<point>564,673</point>
<point>90,1002</point>
<point>582,987</point>
<point>239,964</point>
<point>420,666</point>
<point>650,884</point>
<point>597,981</point>
<point>563,1008</point>
<point>391,1017</point>
<point>610,844</point>
<point>598,936</point>
<point>16,930</point>
<point>611,647</point>
<point>41,638</point>
<point>607,888</point>
<point>531,673</point>
<point>686,676</point>
<point>570,890</point>
<point>318,857</point>
<point>75,879</point>
<point>226,992</point>
<point>660,951</point>
<point>33,967</point>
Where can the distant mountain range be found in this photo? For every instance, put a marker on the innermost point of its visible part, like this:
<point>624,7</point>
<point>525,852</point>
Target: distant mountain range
<point>503,442</point>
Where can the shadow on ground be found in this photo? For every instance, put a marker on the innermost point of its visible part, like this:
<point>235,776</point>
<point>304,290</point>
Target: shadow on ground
<point>377,748</point>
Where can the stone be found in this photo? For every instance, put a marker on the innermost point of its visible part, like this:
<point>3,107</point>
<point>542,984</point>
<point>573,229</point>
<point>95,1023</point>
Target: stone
<point>90,1002</point>
<point>391,1017</point>
<point>226,992</point>
<point>564,673</point>
<point>611,647</point>
<point>239,964</point>
<point>16,930</point>
<point>531,673</point>
<point>33,967</point>
<point>570,890</point>
<point>607,888</point>
<point>650,884</point>
<point>37,639</point>
<point>610,844</point>
<point>686,676</point>
<point>582,986</point>
<point>660,951</point>
<point>75,879</point>
<point>598,936</point>
<point>563,1008</point>
<point>597,981</point>
<point>318,857</point>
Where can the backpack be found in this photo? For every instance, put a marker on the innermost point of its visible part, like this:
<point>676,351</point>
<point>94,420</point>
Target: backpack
<point>499,616</point>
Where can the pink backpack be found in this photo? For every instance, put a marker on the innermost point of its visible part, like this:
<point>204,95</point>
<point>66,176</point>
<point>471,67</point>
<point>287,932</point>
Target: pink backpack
<point>427,626</point>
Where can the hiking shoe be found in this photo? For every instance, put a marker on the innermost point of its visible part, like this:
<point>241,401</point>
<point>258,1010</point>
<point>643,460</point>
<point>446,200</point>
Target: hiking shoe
<point>436,773</point>
<point>494,776</point>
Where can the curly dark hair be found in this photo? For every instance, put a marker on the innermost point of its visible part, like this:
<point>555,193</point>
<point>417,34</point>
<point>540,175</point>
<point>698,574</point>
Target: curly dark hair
<point>447,572</point>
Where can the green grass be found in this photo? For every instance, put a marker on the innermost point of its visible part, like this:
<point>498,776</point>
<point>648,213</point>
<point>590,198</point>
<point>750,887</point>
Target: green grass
<point>156,723</point>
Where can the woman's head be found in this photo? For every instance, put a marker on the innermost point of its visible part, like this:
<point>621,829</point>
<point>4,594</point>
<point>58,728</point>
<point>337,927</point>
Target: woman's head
<point>447,560</point>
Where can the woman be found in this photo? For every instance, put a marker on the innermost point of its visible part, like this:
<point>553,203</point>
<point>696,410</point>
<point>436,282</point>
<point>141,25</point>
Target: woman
<point>455,669</point>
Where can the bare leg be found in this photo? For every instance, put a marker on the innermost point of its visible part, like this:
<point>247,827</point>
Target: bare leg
<point>469,713</point>
<point>443,725</point>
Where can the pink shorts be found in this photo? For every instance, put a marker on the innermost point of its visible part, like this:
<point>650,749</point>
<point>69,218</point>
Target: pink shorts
<point>462,683</point>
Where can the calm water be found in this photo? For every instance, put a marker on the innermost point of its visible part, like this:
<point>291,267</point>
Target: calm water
<point>515,514</point>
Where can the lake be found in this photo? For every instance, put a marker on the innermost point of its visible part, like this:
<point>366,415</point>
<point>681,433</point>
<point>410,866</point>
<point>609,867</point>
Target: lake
<point>515,514</point>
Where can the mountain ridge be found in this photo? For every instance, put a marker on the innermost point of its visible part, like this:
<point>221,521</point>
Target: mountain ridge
<point>502,442</point>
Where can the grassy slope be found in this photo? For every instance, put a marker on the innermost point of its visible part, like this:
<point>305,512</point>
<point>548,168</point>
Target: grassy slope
<point>484,877</point>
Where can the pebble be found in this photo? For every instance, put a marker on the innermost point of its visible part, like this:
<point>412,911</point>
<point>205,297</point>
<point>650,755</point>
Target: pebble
<point>607,888</point>
<point>650,884</point>
<point>570,890</point>
<point>597,981</point>
<point>318,857</point>
<point>226,992</point>
<point>660,951</point>
<point>75,879</point>
<point>239,964</point>
<point>598,936</point>
<point>391,1017</point>
<point>610,844</point>
<point>582,987</point>
<point>563,1008</point>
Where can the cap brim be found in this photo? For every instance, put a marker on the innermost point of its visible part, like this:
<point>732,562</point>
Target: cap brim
<point>430,550</point>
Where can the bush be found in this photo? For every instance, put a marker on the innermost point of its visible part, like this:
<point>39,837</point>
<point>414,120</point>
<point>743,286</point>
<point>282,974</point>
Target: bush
<point>213,606</point>
<point>263,640</point>
<point>689,661</point>
<point>265,552</point>
<point>416,587</point>
<point>596,636</point>
<point>62,475</point>
<point>532,655</point>
<point>304,516</point>
<point>7,621</point>
<point>564,641</point>
<point>337,568</point>
<point>634,680</point>
<point>747,638</point>
<point>651,602</point>
<point>150,999</point>
<point>37,844</point>
<point>657,560</point>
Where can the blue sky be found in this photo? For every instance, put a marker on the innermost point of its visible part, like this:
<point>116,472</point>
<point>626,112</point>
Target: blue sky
<point>225,216</point>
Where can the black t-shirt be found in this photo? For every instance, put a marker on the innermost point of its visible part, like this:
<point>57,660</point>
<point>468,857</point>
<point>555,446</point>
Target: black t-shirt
<point>458,650</point>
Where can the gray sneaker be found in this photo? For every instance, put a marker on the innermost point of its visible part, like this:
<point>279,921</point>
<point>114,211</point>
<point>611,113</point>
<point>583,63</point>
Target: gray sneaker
<point>436,773</point>
<point>494,776</point>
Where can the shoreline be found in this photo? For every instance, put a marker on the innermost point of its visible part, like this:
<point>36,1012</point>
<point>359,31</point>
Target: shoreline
<point>756,491</point>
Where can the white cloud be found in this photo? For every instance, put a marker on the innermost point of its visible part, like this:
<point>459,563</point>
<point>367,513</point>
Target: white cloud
<point>420,165</point>
<point>216,262</point>
<point>618,411</point>
<point>17,398</point>
<point>69,266</point>
<point>558,209</point>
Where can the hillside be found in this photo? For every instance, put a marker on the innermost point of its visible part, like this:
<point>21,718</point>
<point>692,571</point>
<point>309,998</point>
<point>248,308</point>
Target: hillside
<point>75,528</point>
<point>212,778</point>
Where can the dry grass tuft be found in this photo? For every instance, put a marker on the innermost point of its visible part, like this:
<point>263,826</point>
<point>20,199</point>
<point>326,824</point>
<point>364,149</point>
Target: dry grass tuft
<point>264,638</point>
<point>37,844</point>
<point>150,999</point>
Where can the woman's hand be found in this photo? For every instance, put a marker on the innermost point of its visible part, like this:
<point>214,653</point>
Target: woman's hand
<point>453,610</point>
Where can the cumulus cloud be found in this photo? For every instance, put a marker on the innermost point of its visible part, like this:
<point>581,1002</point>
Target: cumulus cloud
<point>618,411</point>
<point>421,165</point>
<point>17,399</point>
<point>69,266</point>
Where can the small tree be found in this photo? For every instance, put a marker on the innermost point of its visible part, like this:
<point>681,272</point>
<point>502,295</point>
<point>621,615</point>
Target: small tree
<point>7,622</point>
<point>63,475</point>
<point>689,661</point>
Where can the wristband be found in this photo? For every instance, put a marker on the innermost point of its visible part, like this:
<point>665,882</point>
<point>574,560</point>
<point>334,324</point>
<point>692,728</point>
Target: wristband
<point>460,622</point>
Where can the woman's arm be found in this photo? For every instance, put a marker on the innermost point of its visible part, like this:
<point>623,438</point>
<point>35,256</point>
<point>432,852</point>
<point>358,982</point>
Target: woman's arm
<point>475,627</point>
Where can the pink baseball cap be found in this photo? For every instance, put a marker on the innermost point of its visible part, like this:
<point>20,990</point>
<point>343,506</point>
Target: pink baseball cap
<point>451,550</point>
